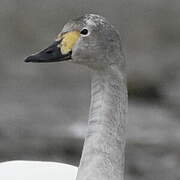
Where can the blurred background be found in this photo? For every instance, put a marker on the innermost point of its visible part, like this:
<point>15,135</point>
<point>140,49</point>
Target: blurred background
<point>44,107</point>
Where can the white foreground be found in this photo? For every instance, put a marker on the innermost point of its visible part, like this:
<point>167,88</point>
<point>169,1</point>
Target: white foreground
<point>36,170</point>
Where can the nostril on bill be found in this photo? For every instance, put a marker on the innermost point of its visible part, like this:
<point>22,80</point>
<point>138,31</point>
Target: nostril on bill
<point>49,51</point>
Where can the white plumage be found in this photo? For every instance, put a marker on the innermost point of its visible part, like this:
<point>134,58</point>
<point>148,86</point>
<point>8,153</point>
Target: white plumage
<point>36,170</point>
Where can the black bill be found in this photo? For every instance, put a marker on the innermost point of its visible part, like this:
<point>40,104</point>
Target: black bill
<point>50,54</point>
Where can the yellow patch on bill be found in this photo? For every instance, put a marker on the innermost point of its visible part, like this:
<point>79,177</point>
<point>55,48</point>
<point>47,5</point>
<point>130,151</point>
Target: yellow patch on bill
<point>68,40</point>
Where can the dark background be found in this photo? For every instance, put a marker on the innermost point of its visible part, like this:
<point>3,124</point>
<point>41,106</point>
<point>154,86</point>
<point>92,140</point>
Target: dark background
<point>44,107</point>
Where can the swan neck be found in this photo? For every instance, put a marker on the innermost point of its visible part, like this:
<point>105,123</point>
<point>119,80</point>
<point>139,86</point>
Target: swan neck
<point>103,152</point>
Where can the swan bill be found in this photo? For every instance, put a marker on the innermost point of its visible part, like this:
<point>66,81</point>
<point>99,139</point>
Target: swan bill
<point>60,50</point>
<point>51,54</point>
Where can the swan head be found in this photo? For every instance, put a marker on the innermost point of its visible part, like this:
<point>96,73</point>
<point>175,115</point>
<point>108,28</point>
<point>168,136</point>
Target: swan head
<point>89,40</point>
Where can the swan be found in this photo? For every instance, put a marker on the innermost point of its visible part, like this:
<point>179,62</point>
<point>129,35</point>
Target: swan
<point>91,41</point>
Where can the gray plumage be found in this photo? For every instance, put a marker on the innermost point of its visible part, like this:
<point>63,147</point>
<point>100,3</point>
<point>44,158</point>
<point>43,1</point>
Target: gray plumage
<point>103,152</point>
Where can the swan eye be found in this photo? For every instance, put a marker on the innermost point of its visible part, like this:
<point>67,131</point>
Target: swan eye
<point>84,32</point>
